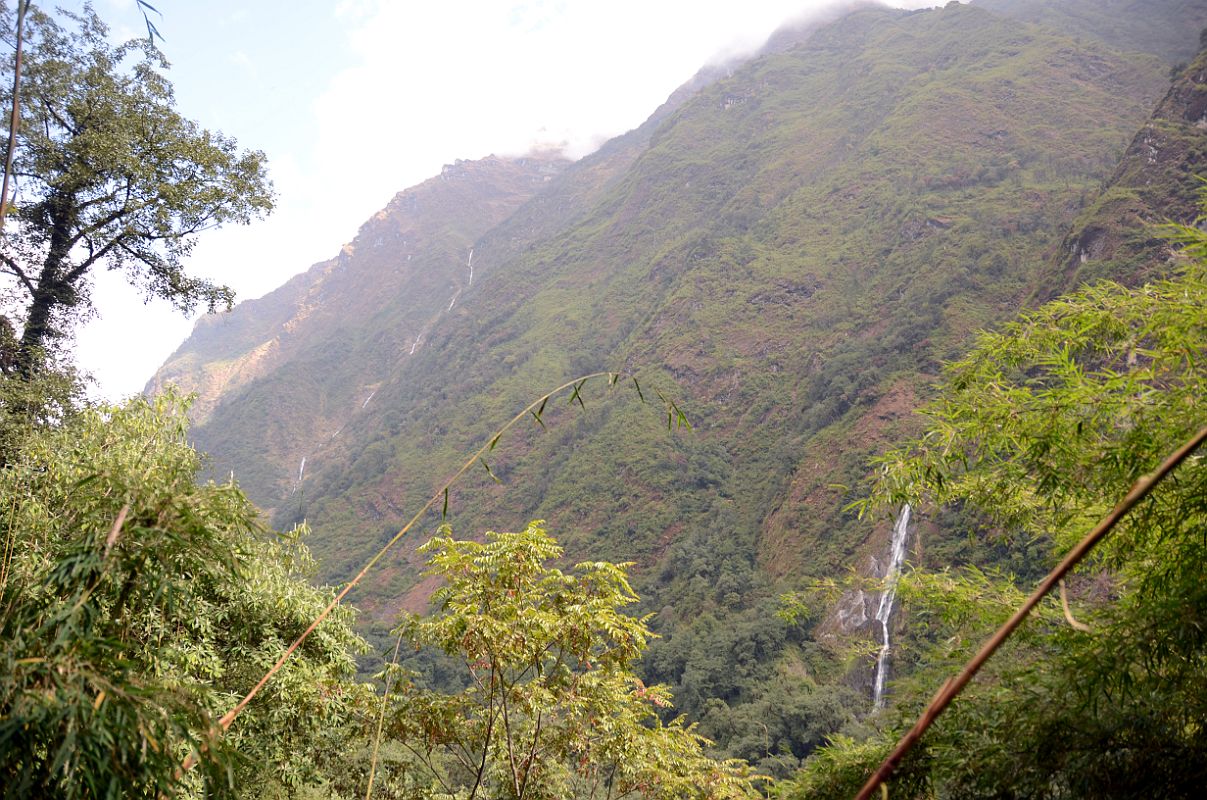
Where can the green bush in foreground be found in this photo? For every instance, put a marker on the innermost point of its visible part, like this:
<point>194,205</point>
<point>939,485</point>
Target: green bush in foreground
<point>552,708</point>
<point>136,605</point>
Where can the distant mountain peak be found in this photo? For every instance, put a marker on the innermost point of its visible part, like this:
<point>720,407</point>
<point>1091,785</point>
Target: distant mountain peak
<point>412,251</point>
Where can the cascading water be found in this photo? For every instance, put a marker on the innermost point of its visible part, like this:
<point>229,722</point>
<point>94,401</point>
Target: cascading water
<point>298,482</point>
<point>884,612</point>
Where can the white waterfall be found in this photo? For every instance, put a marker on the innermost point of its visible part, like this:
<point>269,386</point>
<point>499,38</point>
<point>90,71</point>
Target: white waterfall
<point>298,482</point>
<point>370,397</point>
<point>470,263</point>
<point>884,612</point>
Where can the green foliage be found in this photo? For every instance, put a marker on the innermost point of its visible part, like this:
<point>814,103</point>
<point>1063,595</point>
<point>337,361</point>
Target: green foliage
<point>755,681</point>
<point>30,404</point>
<point>839,770</point>
<point>791,251</point>
<point>136,604</point>
<point>1047,423</point>
<point>552,708</point>
<point>111,175</point>
<point>1044,427</point>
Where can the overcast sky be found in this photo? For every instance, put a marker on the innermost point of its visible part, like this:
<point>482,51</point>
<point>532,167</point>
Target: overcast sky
<point>355,100</point>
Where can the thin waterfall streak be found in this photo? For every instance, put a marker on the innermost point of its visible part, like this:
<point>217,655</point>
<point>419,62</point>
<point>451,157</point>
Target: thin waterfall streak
<point>298,482</point>
<point>884,612</point>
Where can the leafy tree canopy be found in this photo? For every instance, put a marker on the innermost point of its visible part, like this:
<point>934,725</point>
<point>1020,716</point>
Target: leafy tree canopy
<point>136,604</point>
<point>1043,428</point>
<point>552,707</point>
<point>109,174</point>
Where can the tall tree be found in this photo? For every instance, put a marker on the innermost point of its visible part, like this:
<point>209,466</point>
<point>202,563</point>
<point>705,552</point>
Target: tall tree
<point>551,706</point>
<point>109,174</point>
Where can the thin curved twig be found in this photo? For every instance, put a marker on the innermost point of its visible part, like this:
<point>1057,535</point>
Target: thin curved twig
<point>381,719</point>
<point>1074,623</point>
<point>1140,489</point>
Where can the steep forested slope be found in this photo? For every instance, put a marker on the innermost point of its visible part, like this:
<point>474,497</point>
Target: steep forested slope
<point>1164,28</point>
<point>284,372</point>
<point>789,252</point>
<point>278,377</point>
<point>794,246</point>
<point>1158,180</point>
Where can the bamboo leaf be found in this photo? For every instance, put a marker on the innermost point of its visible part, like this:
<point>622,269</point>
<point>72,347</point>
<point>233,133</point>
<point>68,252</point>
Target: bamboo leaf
<point>577,394</point>
<point>486,467</point>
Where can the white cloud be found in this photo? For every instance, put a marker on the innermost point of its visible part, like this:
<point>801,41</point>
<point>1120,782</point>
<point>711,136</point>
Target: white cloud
<point>440,81</point>
<point>241,59</point>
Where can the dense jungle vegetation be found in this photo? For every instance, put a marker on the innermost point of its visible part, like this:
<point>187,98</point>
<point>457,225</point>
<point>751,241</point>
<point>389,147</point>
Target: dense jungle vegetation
<point>140,600</point>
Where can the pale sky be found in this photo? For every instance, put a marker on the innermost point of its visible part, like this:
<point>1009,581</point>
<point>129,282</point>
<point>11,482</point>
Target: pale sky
<point>355,100</point>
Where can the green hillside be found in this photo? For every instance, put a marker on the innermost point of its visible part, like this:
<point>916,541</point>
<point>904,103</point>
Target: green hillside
<point>281,375</point>
<point>796,245</point>
<point>789,252</point>
<point>1157,180</point>
<point>1163,28</point>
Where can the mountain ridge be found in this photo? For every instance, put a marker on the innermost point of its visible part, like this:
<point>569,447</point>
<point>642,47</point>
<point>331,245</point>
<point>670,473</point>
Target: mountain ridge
<point>394,252</point>
<point>745,194</point>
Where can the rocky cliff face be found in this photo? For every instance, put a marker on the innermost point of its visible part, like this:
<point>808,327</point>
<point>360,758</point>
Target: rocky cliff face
<point>317,348</point>
<point>1159,179</point>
